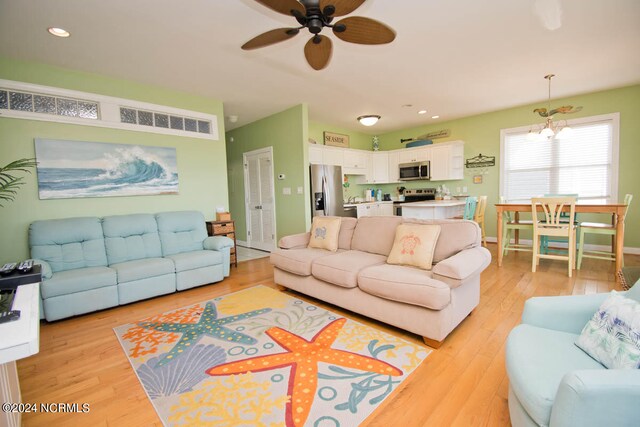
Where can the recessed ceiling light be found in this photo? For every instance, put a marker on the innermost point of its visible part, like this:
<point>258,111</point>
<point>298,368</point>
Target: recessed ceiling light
<point>422,112</point>
<point>435,117</point>
<point>58,32</point>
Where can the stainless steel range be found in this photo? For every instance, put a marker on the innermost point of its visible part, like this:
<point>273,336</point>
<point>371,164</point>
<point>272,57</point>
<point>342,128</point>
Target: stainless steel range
<point>414,195</point>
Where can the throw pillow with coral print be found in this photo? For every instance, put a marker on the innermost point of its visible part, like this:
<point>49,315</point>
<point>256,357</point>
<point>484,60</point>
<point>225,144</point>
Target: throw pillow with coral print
<point>414,245</point>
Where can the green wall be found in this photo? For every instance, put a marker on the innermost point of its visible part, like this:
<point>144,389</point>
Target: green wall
<point>201,163</point>
<point>287,132</point>
<point>481,134</point>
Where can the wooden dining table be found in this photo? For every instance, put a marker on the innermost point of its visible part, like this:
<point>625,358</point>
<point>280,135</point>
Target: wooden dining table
<point>616,210</point>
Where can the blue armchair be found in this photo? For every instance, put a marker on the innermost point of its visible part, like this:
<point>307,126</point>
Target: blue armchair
<point>554,383</point>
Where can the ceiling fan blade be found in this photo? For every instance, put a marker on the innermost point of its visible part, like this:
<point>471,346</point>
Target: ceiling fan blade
<point>318,51</point>
<point>342,7</point>
<point>270,37</point>
<point>357,29</point>
<point>283,6</point>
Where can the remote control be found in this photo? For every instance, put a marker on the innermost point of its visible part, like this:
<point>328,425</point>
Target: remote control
<point>25,266</point>
<point>8,268</point>
<point>8,316</point>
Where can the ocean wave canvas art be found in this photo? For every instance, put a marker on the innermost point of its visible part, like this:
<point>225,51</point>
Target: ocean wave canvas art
<point>70,169</point>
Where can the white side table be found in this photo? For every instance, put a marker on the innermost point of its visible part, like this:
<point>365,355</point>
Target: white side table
<point>18,339</point>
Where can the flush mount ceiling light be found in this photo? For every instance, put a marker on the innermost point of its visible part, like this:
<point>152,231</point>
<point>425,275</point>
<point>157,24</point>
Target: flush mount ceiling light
<point>58,32</point>
<point>550,129</point>
<point>369,120</point>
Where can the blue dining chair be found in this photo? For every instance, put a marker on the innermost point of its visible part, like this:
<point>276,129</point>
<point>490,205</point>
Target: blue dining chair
<point>470,208</point>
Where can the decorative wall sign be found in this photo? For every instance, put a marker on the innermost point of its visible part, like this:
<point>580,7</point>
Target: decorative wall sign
<point>436,134</point>
<point>481,161</point>
<point>71,169</point>
<point>336,139</point>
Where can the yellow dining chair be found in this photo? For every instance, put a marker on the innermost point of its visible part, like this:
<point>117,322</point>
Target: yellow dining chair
<point>479,217</point>
<point>554,224</point>
<point>603,229</point>
<point>509,225</point>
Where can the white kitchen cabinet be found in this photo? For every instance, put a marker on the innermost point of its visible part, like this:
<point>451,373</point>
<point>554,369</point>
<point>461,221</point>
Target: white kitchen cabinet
<point>332,156</point>
<point>411,155</point>
<point>375,209</point>
<point>447,161</point>
<point>440,155</point>
<point>354,159</point>
<point>379,171</point>
<point>393,158</point>
<point>315,154</point>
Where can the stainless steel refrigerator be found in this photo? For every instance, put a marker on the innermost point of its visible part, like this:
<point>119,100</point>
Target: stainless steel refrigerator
<point>326,190</point>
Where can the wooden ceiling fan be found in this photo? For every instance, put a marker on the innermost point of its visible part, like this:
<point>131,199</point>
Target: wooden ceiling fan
<point>315,15</point>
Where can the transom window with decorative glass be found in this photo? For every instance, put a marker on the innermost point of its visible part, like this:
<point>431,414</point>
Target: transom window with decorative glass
<point>585,162</point>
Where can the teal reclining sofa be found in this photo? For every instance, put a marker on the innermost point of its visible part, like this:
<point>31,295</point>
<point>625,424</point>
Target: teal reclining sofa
<point>91,263</point>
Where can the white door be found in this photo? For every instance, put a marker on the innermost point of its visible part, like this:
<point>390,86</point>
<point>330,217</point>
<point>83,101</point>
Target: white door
<point>259,199</point>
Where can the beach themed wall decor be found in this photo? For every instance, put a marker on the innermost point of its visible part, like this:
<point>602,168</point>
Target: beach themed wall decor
<point>70,169</point>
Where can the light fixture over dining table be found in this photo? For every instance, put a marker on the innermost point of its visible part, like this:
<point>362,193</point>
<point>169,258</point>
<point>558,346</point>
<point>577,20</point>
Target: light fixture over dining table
<point>551,129</point>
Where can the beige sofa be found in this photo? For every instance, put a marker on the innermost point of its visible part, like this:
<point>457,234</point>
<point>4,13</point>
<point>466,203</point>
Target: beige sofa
<point>357,277</point>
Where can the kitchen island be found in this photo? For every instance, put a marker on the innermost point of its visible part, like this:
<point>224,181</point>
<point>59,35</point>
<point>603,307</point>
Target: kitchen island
<point>375,208</point>
<point>435,209</point>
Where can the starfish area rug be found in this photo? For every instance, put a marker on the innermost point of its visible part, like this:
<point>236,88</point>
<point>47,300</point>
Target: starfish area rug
<point>259,357</point>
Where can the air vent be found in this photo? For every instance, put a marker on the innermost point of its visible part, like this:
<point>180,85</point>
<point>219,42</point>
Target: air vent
<point>167,121</point>
<point>28,101</point>
<point>46,104</point>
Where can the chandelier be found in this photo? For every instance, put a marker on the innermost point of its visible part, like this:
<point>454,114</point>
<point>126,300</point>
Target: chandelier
<point>551,129</point>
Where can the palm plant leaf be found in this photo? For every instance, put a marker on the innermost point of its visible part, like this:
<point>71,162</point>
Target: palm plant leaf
<point>9,182</point>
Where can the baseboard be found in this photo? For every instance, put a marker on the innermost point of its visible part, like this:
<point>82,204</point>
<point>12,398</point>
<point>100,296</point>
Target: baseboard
<point>242,243</point>
<point>589,247</point>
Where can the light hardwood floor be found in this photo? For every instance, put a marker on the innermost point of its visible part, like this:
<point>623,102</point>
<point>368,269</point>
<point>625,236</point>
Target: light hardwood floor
<point>461,384</point>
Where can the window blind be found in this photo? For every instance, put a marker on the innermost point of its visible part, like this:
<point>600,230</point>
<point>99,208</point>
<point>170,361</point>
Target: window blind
<point>582,163</point>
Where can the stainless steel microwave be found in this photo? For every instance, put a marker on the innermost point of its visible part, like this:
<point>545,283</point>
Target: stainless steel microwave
<point>414,171</point>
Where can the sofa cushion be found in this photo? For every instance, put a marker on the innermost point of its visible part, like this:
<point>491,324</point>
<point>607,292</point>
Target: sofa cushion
<point>455,236</point>
<point>143,268</point>
<point>414,245</point>
<point>181,231</point>
<point>342,269</point>
<point>131,237</point>
<point>78,280</point>
<point>375,234</point>
<point>347,227</point>
<point>409,285</point>
<point>324,233</point>
<point>297,261</point>
<point>195,259</point>
<point>68,244</point>
<point>535,372</point>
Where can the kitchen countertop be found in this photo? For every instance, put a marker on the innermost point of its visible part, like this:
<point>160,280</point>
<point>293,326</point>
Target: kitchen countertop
<point>434,204</point>
<point>350,205</point>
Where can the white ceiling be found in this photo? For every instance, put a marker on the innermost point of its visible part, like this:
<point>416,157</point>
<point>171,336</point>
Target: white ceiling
<point>454,58</point>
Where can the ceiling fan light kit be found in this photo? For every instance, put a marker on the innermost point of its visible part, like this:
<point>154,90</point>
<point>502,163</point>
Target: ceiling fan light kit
<point>369,119</point>
<point>315,15</point>
<point>550,130</point>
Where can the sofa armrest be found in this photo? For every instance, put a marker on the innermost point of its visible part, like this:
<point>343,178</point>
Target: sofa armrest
<point>562,313</point>
<point>223,245</point>
<point>607,397</point>
<point>295,241</point>
<point>45,268</point>
<point>463,265</point>
<point>215,243</point>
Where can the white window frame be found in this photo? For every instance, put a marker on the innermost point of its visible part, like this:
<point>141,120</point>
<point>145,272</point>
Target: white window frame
<point>109,111</point>
<point>613,118</point>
